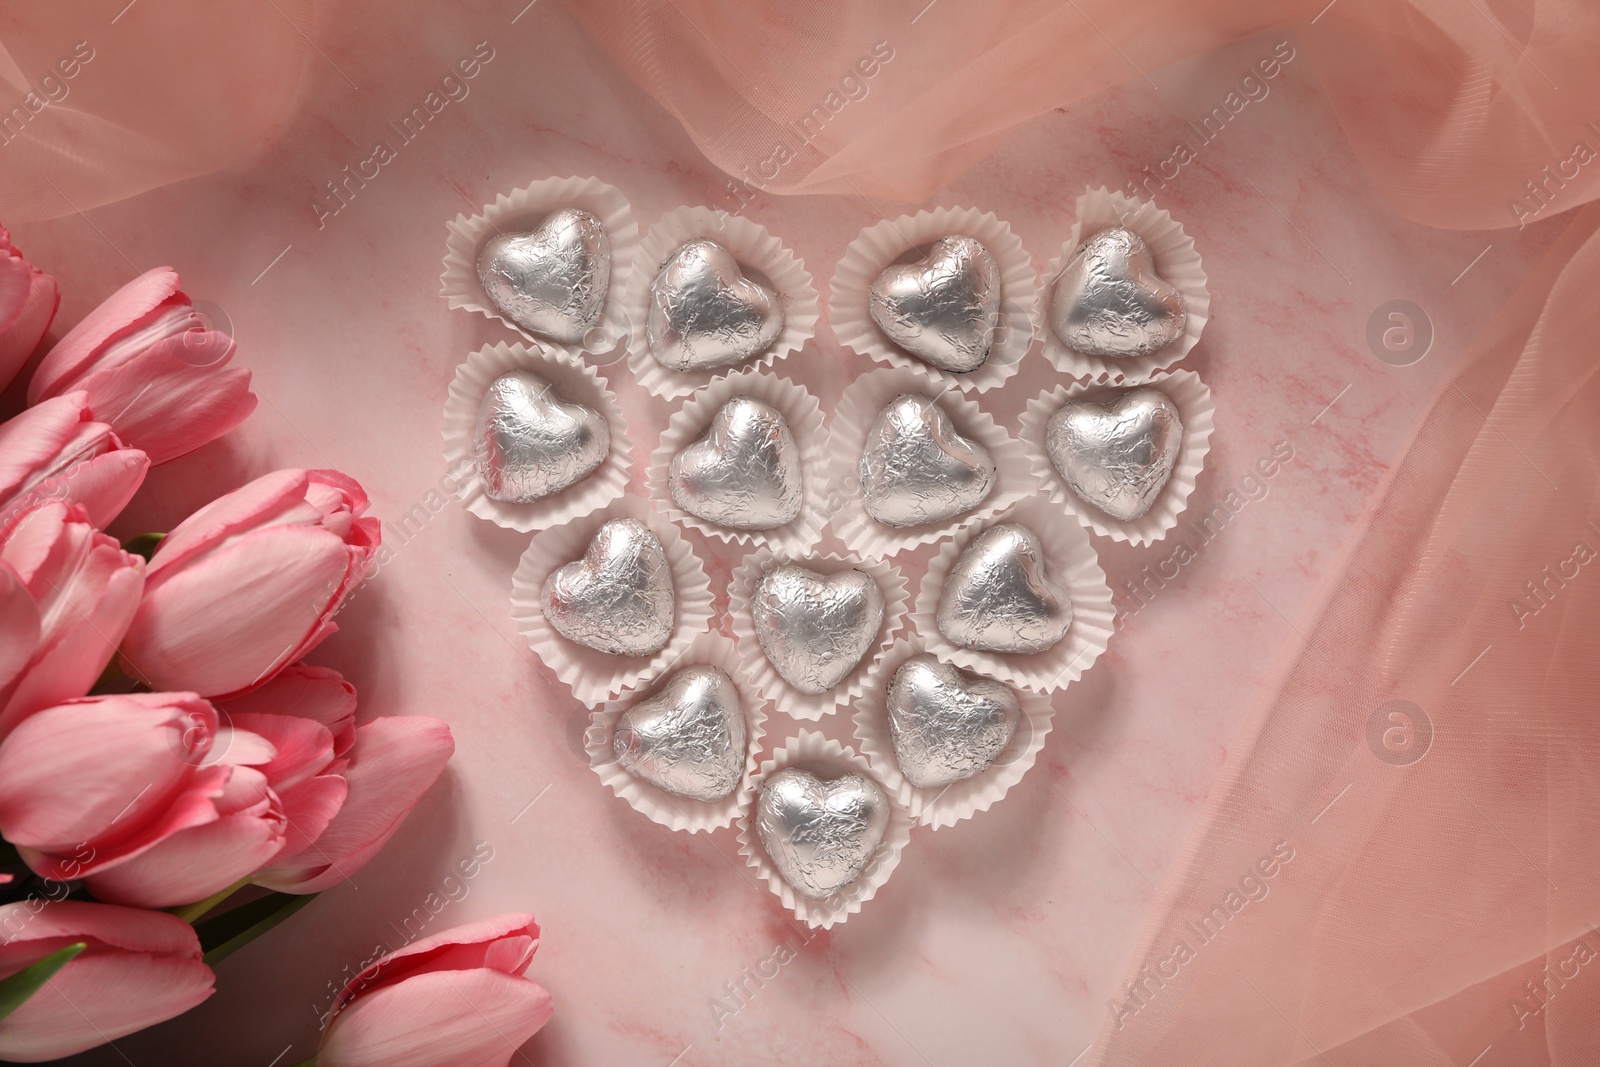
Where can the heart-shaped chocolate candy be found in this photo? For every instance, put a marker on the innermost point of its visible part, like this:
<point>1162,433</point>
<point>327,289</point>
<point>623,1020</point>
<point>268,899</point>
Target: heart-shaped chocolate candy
<point>946,724</point>
<point>529,443</point>
<point>553,281</point>
<point>1116,451</point>
<point>820,834</point>
<point>1109,301</point>
<point>705,314</point>
<point>744,473</point>
<point>813,627</point>
<point>689,738</point>
<point>916,467</point>
<point>998,597</point>
<point>944,308</point>
<point>618,598</point>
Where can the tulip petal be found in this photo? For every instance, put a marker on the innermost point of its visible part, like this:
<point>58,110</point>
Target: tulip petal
<point>301,747</point>
<point>34,437</point>
<point>308,808</point>
<point>459,948</point>
<point>72,354</point>
<point>193,864</point>
<point>473,1018</point>
<point>257,503</point>
<point>174,396</point>
<point>245,611</point>
<point>317,693</point>
<point>29,319</point>
<point>392,763</point>
<point>19,628</point>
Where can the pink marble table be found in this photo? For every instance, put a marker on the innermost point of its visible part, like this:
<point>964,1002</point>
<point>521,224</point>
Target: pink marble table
<point>996,941</point>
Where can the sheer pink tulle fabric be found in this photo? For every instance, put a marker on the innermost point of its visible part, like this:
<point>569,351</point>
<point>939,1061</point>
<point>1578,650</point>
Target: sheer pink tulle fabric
<point>1440,906</point>
<point>97,105</point>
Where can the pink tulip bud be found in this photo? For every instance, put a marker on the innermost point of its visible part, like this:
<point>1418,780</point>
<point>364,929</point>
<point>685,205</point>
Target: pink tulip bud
<point>138,968</point>
<point>67,594</point>
<point>250,583</point>
<point>456,999</point>
<point>28,302</point>
<point>152,367</point>
<point>56,451</point>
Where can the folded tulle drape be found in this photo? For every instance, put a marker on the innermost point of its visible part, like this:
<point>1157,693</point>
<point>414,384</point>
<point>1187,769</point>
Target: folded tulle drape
<point>97,105</point>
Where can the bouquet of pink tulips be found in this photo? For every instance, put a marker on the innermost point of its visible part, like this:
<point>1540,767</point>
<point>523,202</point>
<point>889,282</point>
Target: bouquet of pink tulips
<point>162,746</point>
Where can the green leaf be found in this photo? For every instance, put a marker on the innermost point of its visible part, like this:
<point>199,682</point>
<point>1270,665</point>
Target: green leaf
<point>232,930</point>
<point>144,545</point>
<point>15,991</point>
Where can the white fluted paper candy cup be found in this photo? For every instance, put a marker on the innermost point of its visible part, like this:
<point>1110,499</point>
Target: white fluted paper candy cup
<point>760,255</point>
<point>522,210</point>
<point>592,675</point>
<point>804,416</point>
<point>669,810</point>
<point>1177,262</point>
<point>1196,411</point>
<point>886,243</point>
<point>948,804</point>
<point>759,669</point>
<point>853,419</point>
<point>810,751</point>
<point>1070,562</point>
<point>574,382</point>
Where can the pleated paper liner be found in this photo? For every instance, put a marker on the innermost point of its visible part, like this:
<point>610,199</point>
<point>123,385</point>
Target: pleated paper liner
<point>572,380</point>
<point>949,804</point>
<point>760,255</point>
<point>1070,562</point>
<point>1177,262</point>
<point>804,416</point>
<point>886,243</point>
<point>522,210</point>
<point>858,409</point>
<point>760,670</point>
<point>677,812</point>
<point>1196,410</point>
<point>597,676</point>
<point>810,751</point>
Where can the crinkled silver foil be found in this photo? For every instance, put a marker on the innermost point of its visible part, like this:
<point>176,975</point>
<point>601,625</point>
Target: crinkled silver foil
<point>744,473</point>
<point>815,627</point>
<point>705,314</point>
<point>1110,302</point>
<point>916,467</point>
<point>998,597</point>
<point>552,281</point>
<point>947,725</point>
<point>529,443</point>
<point>618,598</point>
<point>944,308</point>
<point>689,738</point>
<point>820,834</point>
<point>1116,451</point>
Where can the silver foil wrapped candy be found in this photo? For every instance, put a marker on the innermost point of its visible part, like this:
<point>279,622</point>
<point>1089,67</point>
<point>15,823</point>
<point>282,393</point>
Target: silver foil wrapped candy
<point>553,281</point>
<point>618,598</point>
<point>820,834</point>
<point>814,628</point>
<point>744,473</point>
<point>999,598</point>
<point>1109,301</point>
<point>529,443</point>
<point>705,314</point>
<point>1116,452</point>
<point>947,725</point>
<point>944,308</point>
<point>916,467</point>
<point>689,738</point>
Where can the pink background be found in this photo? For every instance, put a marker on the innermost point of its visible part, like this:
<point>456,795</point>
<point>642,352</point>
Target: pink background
<point>998,940</point>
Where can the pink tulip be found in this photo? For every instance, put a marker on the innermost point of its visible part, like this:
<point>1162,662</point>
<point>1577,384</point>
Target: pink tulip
<point>139,968</point>
<point>250,583</point>
<point>458,999</point>
<point>152,367</point>
<point>391,763</point>
<point>67,594</point>
<point>94,783</point>
<point>56,451</point>
<point>28,302</point>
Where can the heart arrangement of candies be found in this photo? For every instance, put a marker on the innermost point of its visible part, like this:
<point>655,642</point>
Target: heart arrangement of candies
<point>949,688</point>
